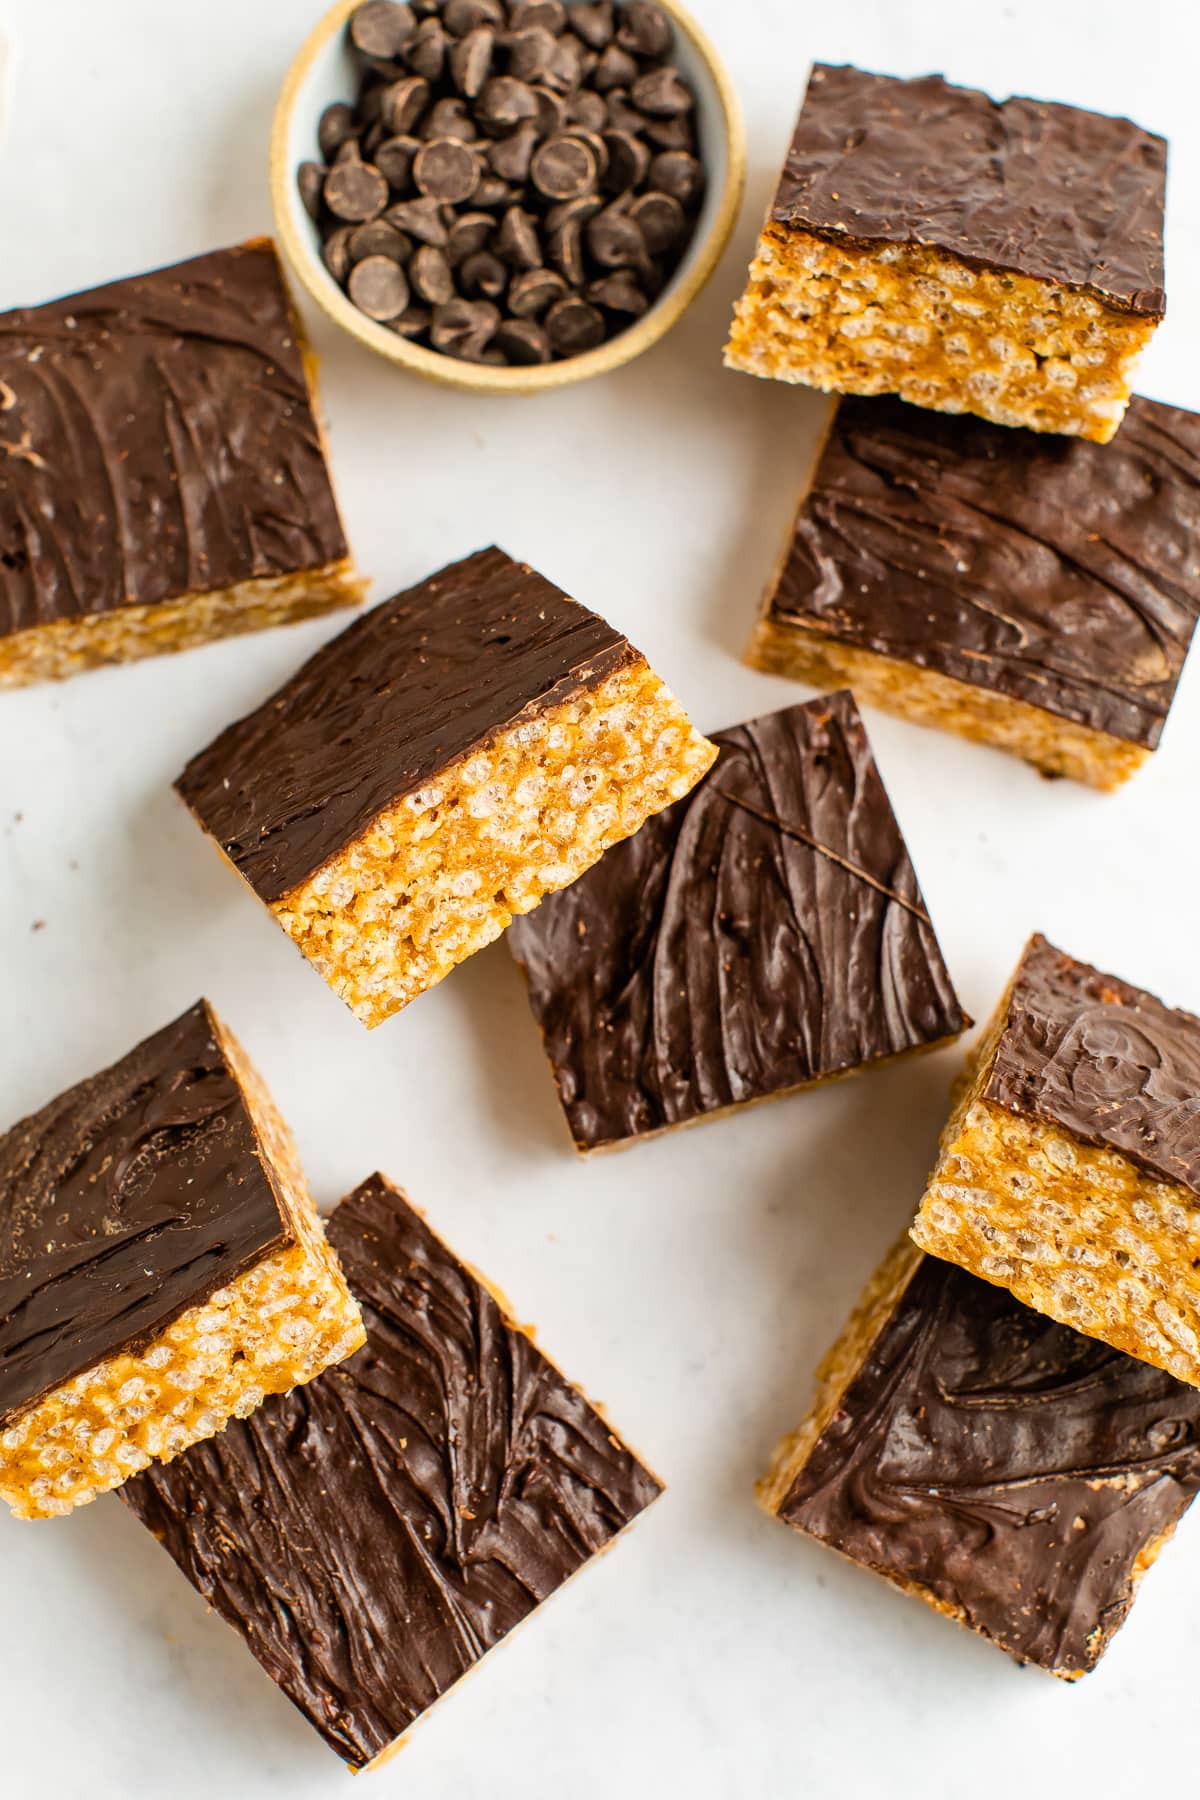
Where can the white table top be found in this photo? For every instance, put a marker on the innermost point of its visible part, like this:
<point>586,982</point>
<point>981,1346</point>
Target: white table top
<point>692,1283</point>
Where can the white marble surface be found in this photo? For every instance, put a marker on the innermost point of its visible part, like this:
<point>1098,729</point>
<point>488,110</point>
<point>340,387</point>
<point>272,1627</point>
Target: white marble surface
<point>693,1283</point>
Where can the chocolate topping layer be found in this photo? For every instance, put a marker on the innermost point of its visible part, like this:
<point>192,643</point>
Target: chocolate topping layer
<point>379,711</point>
<point>718,957</point>
<point>1058,572</point>
<point>1105,1061</point>
<point>157,440</point>
<point>127,1200</point>
<point>1011,1469</point>
<point>1050,191</point>
<point>375,1533</point>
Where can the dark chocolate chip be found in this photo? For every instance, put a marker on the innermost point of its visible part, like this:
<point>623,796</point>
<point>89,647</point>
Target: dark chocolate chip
<point>471,61</point>
<point>394,160</point>
<point>678,133</point>
<point>564,246</point>
<point>564,168</point>
<point>464,328</point>
<point>378,239</point>
<point>676,173</point>
<point>615,69</point>
<point>464,16</point>
<point>517,240</point>
<point>628,161</point>
<point>573,325</point>
<point>596,144</point>
<point>402,104</point>
<point>624,117</point>
<point>426,54</point>
<point>413,323</point>
<point>335,253</point>
<point>504,104</point>
<point>661,221</point>
<point>531,54</point>
<point>431,276</point>
<point>543,15</point>
<point>619,293</point>
<point>469,233</point>
<point>551,111</point>
<point>310,179</point>
<point>594,23</point>
<point>510,157</point>
<point>382,28</point>
<point>522,342</point>
<point>483,276</point>
<point>614,240</point>
<point>663,93</point>
<point>420,219</point>
<point>644,29</point>
<point>576,212</point>
<point>531,293</point>
<point>379,287</point>
<point>336,125</point>
<point>492,192</point>
<point>450,118</point>
<point>587,111</point>
<point>566,67</point>
<point>446,169</point>
<point>348,151</point>
<point>355,191</point>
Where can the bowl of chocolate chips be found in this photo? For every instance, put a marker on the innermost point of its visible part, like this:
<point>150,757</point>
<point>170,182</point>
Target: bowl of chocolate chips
<point>506,195</point>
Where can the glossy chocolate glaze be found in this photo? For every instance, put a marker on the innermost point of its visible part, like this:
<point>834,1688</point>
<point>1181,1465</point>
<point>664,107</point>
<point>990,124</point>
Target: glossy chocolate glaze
<point>1057,572</point>
<point>1105,1061</point>
<point>157,439</point>
<point>1067,196</point>
<point>1012,1470</point>
<point>383,708</point>
<point>130,1198</point>
<point>373,1534</point>
<point>716,957</point>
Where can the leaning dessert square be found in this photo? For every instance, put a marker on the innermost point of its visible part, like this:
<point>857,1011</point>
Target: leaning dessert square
<point>998,258</point>
<point>765,933</point>
<point>460,751</point>
<point>162,476</point>
<point>1038,594</point>
<point>161,1268</point>
<point>1017,1477</point>
<point>1069,1171</point>
<point>374,1536</point>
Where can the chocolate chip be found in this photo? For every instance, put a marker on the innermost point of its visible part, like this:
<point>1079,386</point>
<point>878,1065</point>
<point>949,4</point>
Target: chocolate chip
<point>464,328</point>
<point>624,117</point>
<point>619,293</point>
<point>426,54</point>
<point>394,160</point>
<point>492,192</point>
<point>431,276</point>
<point>531,293</point>
<point>412,323</point>
<point>644,29</point>
<point>551,113</point>
<point>382,28</point>
<point>595,143</point>
<point>564,247</point>
<point>483,276</point>
<point>420,219</point>
<point>531,54</point>
<point>661,221</point>
<point>663,93</point>
<point>566,66</point>
<point>678,133</point>
<point>379,287</point>
<point>594,23</point>
<point>310,179</point>
<point>378,239</point>
<point>564,168</point>
<point>471,61</point>
<point>355,191</point>
<point>463,16</point>
<point>587,110</point>
<point>336,125</point>
<point>335,253</point>
<point>573,325</point>
<point>468,234</point>
<point>348,151</point>
<point>614,240</point>
<point>576,212</point>
<point>522,342</point>
<point>628,161</point>
<point>676,173</point>
<point>446,170</point>
<point>510,157</point>
<point>544,15</point>
<point>450,118</point>
<point>615,69</point>
<point>504,104</point>
<point>517,240</point>
<point>402,104</point>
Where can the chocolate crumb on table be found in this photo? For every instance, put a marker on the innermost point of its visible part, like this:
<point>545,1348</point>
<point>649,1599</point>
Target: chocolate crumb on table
<point>764,934</point>
<point>1069,1171</point>
<point>1004,259</point>
<point>162,477</point>
<point>1033,593</point>
<point>460,751</point>
<point>373,1535</point>
<point>1017,1477</point>
<point>161,1268</point>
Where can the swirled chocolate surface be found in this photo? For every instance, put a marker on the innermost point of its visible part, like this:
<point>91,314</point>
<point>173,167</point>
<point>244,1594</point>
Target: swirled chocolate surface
<point>1105,1061</point>
<point>157,439</point>
<point>379,711</point>
<point>1010,1469</point>
<point>1067,196</point>
<point>1057,572</point>
<point>131,1197</point>
<point>373,1534</point>
<point>763,933</point>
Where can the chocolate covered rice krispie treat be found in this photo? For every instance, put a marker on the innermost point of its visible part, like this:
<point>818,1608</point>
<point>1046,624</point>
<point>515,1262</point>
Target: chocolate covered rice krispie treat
<point>162,1268</point>
<point>162,477</point>
<point>459,752</point>
<point>1017,1477</point>
<point>1004,259</point>
<point>1069,1171</point>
